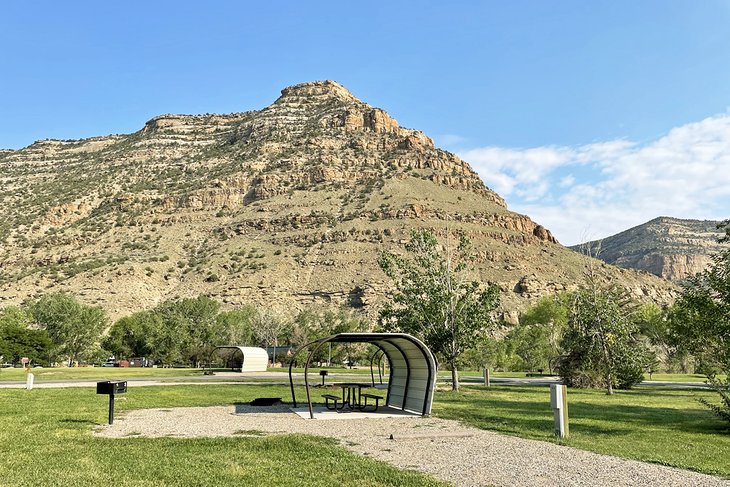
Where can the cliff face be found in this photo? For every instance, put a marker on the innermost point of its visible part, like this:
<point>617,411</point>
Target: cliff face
<point>286,206</point>
<point>666,247</point>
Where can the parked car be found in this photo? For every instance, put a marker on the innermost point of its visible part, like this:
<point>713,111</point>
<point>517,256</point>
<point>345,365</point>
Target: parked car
<point>110,362</point>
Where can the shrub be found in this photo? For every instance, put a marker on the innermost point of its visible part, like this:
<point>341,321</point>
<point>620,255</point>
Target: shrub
<point>722,387</point>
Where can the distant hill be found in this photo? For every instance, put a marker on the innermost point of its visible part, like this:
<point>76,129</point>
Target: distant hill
<point>282,207</point>
<point>666,247</point>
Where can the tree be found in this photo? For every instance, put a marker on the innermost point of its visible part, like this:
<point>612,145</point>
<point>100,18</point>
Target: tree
<point>135,336</point>
<point>550,314</point>
<point>700,318</point>
<point>434,300</point>
<point>193,324</point>
<point>17,340</point>
<point>75,329</point>
<point>531,343</point>
<point>237,325</point>
<point>268,327</point>
<point>602,344</point>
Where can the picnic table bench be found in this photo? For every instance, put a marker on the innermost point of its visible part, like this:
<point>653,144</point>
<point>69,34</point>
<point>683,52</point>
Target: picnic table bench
<point>367,396</point>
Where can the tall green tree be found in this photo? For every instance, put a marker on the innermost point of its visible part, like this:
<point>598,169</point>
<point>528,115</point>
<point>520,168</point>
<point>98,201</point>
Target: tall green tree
<point>603,346</point>
<point>531,343</point>
<point>135,336</point>
<point>550,315</point>
<point>435,299</point>
<point>194,324</point>
<point>700,318</point>
<point>18,340</point>
<point>74,328</point>
<point>237,325</point>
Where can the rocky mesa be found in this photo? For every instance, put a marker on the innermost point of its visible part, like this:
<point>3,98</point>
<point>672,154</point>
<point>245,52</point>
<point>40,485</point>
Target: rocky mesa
<point>671,248</point>
<point>286,206</point>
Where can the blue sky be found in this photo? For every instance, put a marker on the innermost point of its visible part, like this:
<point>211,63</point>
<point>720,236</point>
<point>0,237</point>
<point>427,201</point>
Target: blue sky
<point>590,117</point>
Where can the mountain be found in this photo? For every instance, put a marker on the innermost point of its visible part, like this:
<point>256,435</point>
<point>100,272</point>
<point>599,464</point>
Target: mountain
<point>283,207</point>
<point>666,247</point>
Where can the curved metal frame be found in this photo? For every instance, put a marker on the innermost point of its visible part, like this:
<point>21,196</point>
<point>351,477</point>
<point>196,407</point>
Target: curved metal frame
<point>371,338</point>
<point>380,352</point>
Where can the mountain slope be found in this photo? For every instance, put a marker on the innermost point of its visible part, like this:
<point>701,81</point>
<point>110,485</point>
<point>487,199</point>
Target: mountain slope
<point>666,247</point>
<point>286,206</point>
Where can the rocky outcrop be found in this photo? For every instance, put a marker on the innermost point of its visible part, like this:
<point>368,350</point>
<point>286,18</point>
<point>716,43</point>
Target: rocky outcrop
<point>287,206</point>
<point>667,247</point>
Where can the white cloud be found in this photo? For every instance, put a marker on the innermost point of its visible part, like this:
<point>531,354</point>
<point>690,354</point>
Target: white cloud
<point>599,189</point>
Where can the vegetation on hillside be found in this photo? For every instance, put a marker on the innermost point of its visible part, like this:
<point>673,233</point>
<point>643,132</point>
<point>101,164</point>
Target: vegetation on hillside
<point>436,300</point>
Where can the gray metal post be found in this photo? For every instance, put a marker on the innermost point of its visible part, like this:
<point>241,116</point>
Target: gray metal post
<point>559,403</point>
<point>487,378</point>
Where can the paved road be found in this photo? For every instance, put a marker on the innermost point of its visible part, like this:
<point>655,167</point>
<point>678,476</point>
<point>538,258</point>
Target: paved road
<point>546,381</point>
<point>274,378</point>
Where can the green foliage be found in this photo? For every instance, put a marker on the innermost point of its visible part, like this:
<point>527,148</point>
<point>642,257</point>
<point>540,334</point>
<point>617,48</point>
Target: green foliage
<point>700,318</point>
<point>137,335</point>
<point>17,340</point>
<point>237,325</point>
<point>603,347</point>
<point>722,387</point>
<point>543,323</point>
<point>313,323</point>
<point>189,329</point>
<point>434,300</point>
<point>74,328</point>
<point>531,343</point>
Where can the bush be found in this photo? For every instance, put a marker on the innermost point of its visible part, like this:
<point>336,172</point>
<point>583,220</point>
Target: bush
<point>722,387</point>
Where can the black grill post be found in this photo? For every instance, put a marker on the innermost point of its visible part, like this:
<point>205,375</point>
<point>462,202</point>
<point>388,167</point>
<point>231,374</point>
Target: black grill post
<point>111,408</point>
<point>111,388</point>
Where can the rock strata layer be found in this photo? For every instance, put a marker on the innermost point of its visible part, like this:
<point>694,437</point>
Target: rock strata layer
<point>671,248</point>
<point>287,206</point>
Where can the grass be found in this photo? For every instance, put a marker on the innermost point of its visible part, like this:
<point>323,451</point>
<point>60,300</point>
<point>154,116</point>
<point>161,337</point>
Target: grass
<point>80,373</point>
<point>47,437</point>
<point>652,424</point>
<point>677,377</point>
<point>52,427</point>
<point>67,373</point>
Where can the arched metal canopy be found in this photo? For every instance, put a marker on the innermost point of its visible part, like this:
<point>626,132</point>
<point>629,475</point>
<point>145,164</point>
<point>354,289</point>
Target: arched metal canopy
<point>254,359</point>
<point>412,368</point>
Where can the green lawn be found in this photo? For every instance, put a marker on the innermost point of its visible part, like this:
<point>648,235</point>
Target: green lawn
<point>47,440</point>
<point>52,427</point>
<point>66,373</point>
<point>660,425</point>
<point>678,377</point>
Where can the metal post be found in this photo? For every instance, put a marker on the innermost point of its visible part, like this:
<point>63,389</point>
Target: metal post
<point>559,403</point>
<point>111,408</point>
<point>29,380</point>
<point>487,378</point>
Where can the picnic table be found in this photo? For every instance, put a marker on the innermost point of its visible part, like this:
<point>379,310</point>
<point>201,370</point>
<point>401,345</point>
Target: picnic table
<point>352,397</point>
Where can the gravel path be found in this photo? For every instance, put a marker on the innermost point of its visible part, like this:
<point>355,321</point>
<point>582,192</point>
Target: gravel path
<point>444,449</point>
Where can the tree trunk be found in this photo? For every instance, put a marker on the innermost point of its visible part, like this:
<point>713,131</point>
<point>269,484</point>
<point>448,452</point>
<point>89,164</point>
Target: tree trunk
<point>454,378</point>
<point>609,384</point>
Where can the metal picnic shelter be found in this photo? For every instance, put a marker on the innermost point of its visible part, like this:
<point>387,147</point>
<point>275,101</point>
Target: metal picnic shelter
<point>253,359</point>
<point>413,368</point>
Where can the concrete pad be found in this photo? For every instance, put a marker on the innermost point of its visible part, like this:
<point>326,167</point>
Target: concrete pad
<point>321,412</point>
